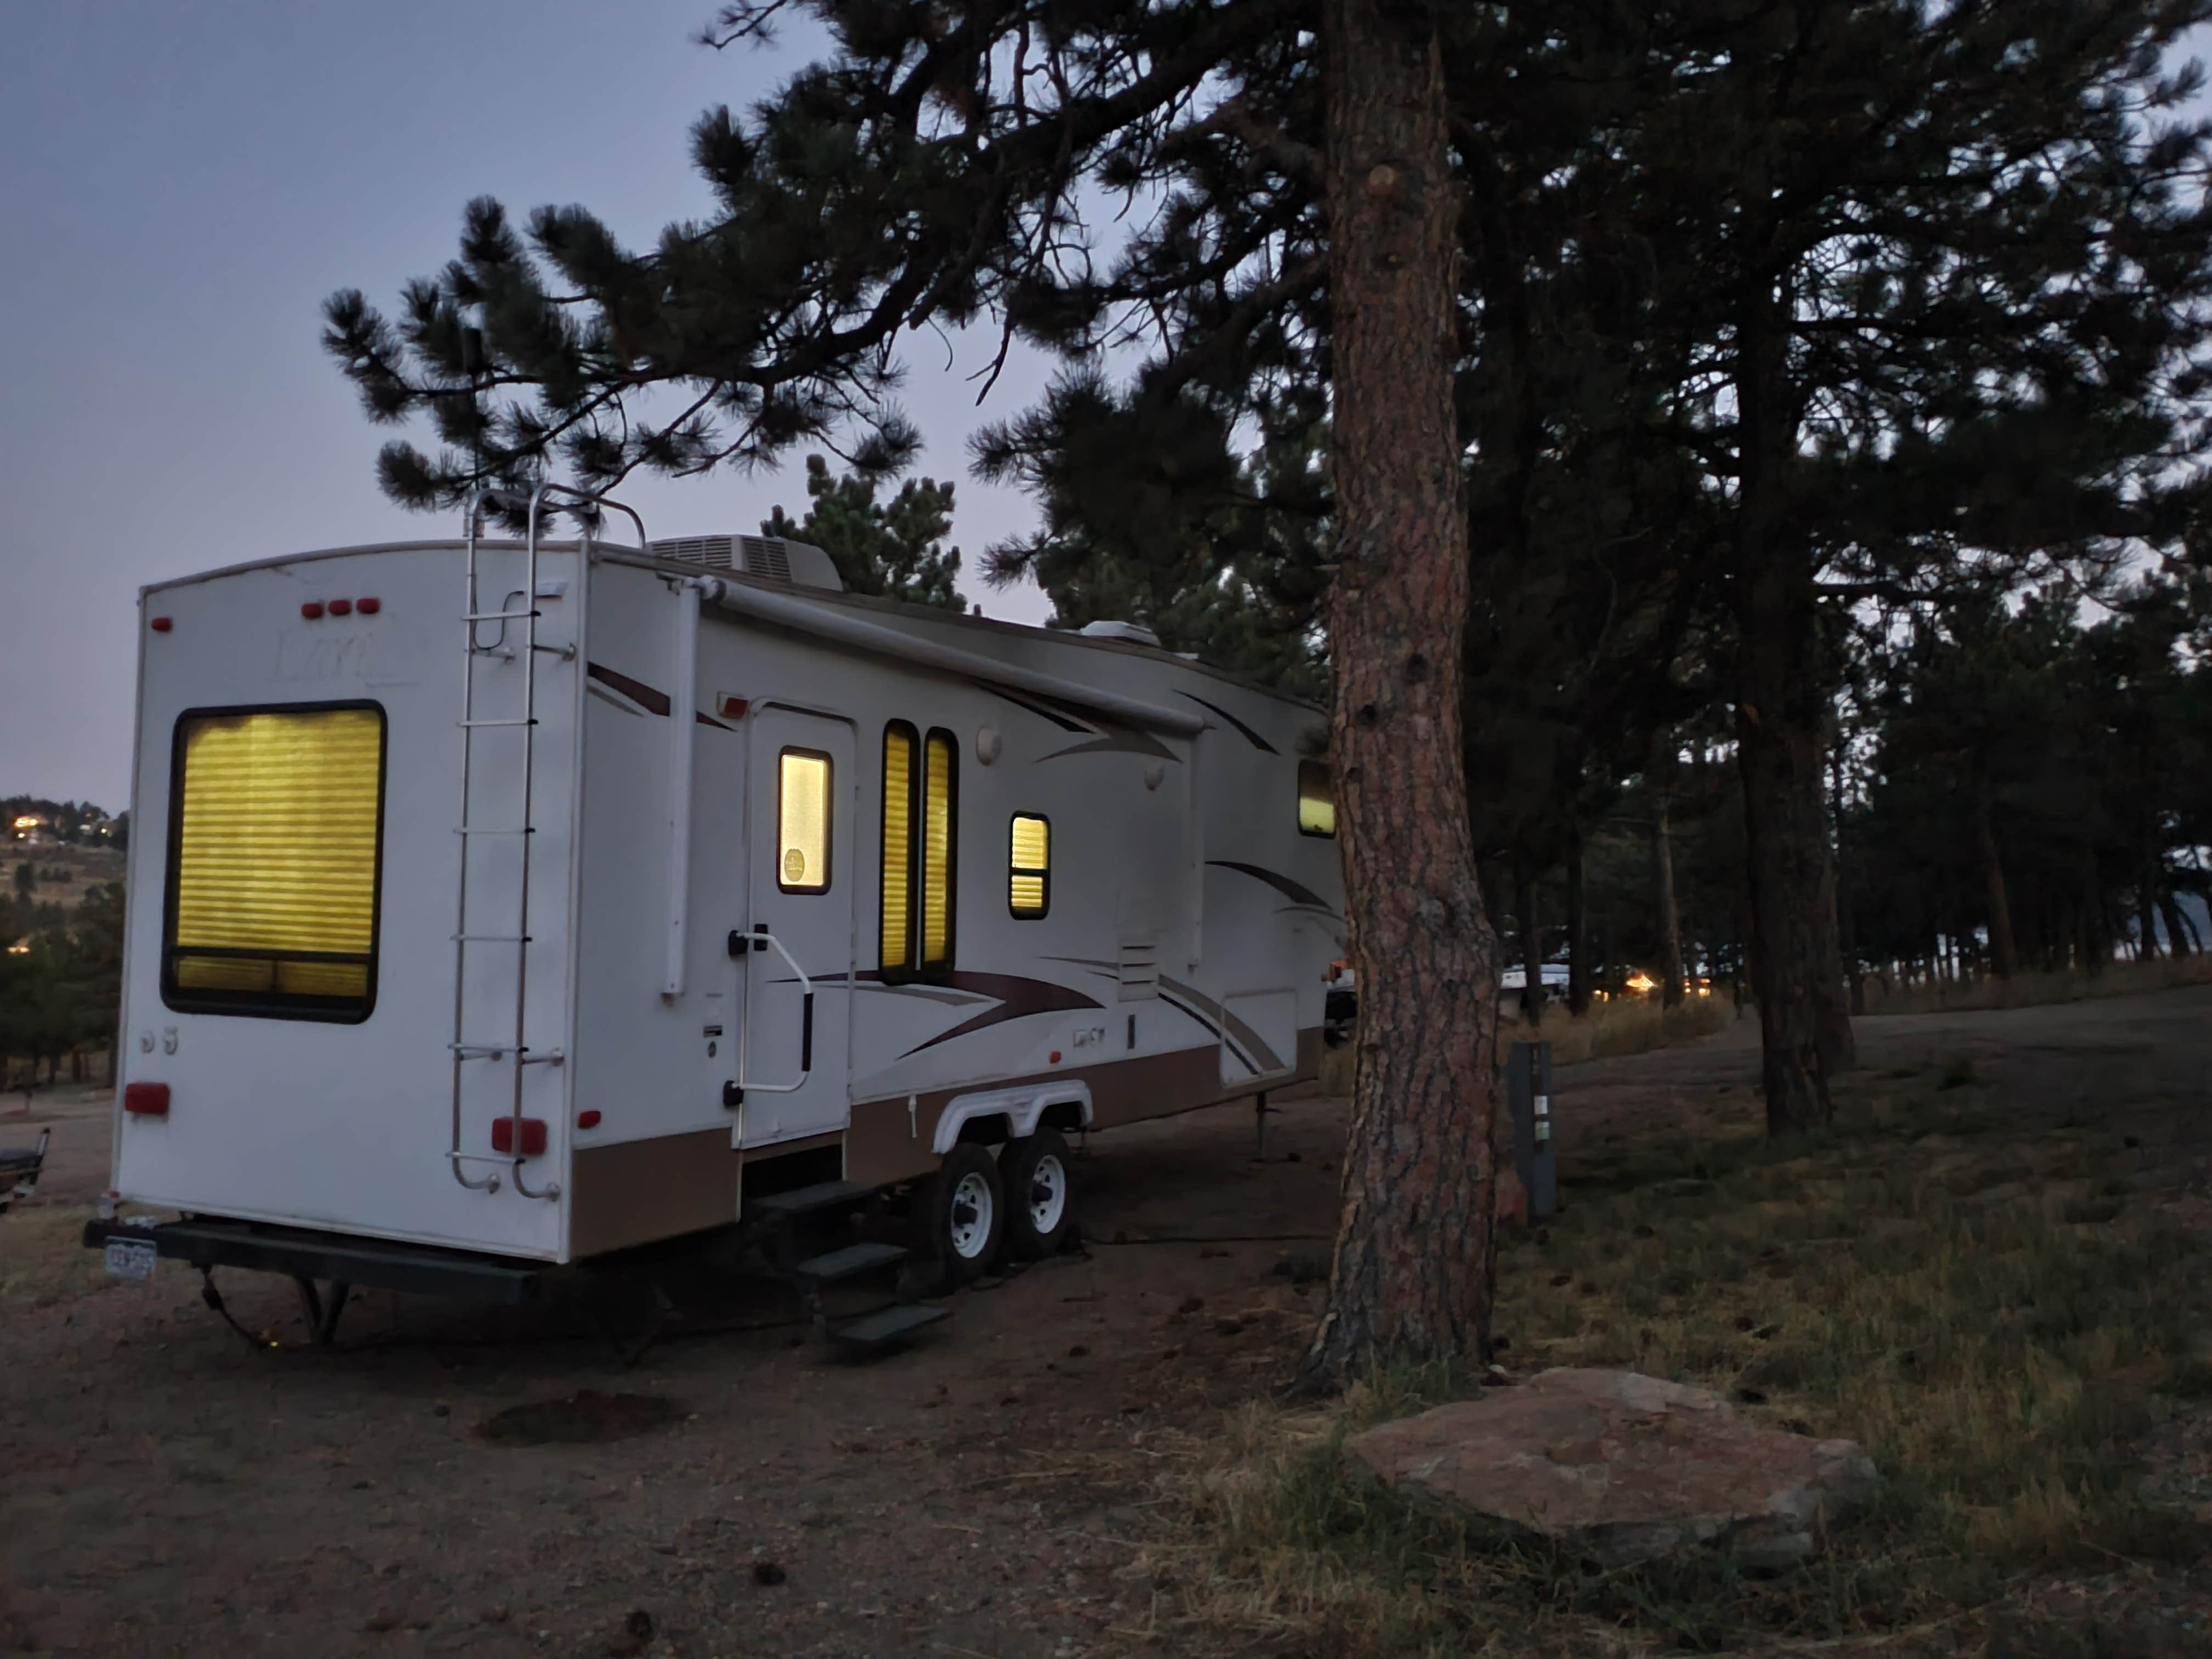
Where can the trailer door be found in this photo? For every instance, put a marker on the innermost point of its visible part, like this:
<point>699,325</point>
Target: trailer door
<point>803,795</point>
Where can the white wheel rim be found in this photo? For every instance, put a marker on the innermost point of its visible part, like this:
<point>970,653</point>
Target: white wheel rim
<point>1047,1194</point>
<point>971,1217</point>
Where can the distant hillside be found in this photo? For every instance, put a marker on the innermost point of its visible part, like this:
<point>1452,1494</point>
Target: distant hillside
<point>69,846</point>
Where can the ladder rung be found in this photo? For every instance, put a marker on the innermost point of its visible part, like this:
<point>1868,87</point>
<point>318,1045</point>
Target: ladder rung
<point>492,938</point>
<point>471,829</point>
<point>499,616</point>
<point>478,1051</point>
<point>476,725</point>
<point>550,1057</point>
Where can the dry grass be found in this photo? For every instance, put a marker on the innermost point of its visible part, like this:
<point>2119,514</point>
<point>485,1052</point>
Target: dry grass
<point>43,1259</point>
<point>1622,1025</point>
<point>1993,1316</point>
<point>2032,990</point>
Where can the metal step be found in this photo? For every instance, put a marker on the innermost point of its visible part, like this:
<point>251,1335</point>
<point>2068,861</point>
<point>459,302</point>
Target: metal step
<point>801,1200</point>
<point>887,1325</point>
<point>851,1261</point>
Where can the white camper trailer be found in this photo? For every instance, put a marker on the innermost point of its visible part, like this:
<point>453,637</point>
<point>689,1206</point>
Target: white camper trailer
<point>498,904</point>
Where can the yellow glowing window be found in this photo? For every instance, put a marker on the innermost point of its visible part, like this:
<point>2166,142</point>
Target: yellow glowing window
<point>802,818</point>
<point>1316,798</point>
<point>936,831</point>
<point>1029,866</point>
<point>276,824</point>
<point>898,846</point>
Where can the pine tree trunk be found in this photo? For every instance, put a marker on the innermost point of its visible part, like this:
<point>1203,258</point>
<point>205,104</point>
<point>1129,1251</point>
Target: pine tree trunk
<point>1670,916</point>
<point>1838,1046</point>
<point>1532,940</point>
<point>1781,724</point>
<point>2177,937</point>
<point>1419,1165</point>
<point>1578,960</point>
<point>2147,904</point>
<point>2004,954</point>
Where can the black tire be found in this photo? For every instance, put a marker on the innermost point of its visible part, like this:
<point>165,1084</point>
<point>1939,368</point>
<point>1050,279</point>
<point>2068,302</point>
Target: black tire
<point>960,1238</point>
<point>1039,1178</point>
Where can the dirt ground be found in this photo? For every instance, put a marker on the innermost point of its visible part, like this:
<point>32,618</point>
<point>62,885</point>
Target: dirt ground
<point>167,1489</point>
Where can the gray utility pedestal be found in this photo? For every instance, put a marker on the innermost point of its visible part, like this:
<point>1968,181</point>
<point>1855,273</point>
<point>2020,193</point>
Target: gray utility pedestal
<point>1528,1095</point>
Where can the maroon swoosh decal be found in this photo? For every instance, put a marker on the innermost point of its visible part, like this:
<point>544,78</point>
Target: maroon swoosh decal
<point>653,701</point>
<point>1017,999</point>
<point>1252,737</point>
<point>1283,884</point>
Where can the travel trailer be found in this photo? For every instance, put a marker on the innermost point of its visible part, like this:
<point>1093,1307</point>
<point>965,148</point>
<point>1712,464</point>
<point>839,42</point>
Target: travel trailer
<point>501,906</point>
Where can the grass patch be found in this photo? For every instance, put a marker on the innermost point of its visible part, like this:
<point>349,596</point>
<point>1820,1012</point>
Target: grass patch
<point>1620,1025</point>
<point>2119,979</point>
<point>1910,1281</point>
<point>43,1259</point>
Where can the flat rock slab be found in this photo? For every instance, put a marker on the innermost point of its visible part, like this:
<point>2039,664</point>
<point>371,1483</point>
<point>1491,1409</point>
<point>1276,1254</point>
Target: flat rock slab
<point>1626,1468</point>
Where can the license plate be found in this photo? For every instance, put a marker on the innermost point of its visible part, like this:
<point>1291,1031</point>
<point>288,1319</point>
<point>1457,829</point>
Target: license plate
<point>131,1258</point>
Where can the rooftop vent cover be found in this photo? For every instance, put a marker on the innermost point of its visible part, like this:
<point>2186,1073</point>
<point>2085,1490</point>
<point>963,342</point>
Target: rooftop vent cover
<point>716,552</point>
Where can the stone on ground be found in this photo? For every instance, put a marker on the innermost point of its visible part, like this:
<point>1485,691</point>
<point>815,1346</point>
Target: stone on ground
<point>1627,1468</point>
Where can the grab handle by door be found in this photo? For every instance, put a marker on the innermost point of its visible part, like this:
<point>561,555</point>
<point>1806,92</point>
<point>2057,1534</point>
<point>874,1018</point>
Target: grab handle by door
<point>739,939</point>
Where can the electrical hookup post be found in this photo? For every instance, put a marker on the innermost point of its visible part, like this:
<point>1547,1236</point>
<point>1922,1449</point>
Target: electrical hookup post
<point>1528,1096</point>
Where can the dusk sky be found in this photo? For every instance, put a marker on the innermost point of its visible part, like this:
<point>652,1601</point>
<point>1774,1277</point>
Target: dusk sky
<point>183,186</point>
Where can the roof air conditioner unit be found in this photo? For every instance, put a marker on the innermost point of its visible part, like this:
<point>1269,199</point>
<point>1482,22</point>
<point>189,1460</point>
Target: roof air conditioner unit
<point>771,558</point>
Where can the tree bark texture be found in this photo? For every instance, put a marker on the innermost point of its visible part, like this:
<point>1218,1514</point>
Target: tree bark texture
<point>2176,934</point>
<point>2005,953</point>
<point>1578,956</point>
<point>1411,1279</point>
<point>1782,719</point>
<point>1532,940</point>
<point>1838,1046</point>
<point>1670,915</point>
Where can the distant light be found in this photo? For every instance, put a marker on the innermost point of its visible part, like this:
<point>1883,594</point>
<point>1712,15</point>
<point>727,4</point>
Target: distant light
<point>27,821</point>
<point>21,947</point>
<point>1642,982</point>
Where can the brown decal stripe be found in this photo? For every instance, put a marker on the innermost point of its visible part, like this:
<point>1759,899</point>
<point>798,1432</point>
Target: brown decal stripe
<point>1240,1039</point>
<point>1283,884</point>
<point>1040,710</point>
<point>653,701</point>
<point>1251,736</point>
<point>1017,999</point>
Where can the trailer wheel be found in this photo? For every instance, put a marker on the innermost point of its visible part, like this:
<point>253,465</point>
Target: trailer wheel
<point>1040,1181</point>
<point>967,1214</point>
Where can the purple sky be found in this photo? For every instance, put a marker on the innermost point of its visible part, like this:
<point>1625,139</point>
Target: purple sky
<point>183,186</point>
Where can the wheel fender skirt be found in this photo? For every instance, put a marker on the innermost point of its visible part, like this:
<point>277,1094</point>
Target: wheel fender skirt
<point>1024,1107</point>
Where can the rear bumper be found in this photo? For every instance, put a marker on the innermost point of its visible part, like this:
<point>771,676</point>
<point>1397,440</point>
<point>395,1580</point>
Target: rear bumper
<point>381,1264</point>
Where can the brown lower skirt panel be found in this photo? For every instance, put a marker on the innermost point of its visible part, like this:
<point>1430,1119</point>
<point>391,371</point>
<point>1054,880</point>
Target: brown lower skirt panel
<point>637,1191</point>
<point>887,1144</point>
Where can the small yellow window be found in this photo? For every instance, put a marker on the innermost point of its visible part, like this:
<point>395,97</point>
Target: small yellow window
<point>1029,865</point>
<point>937,830</point>
<point>803,822</point>
<point>277,817</point>
<point>897,952</point>
<point>1316,798</point>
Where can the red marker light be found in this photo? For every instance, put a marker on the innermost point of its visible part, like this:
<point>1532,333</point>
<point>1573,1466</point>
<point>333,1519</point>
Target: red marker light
<point>312,609</point>
<point>1053,1059</point>
<point>341,607</point>
<point>161,625</point>
<point>588,1120</point>
<point>368,607</point>
<point>533,1135</point>
<point>146,1099</point>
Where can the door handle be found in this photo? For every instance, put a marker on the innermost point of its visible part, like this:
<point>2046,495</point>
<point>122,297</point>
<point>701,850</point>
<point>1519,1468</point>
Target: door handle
<point>763,940</point>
